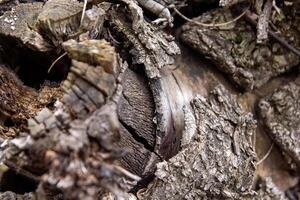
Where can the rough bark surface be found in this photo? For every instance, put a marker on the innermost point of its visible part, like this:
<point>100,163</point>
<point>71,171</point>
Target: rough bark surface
<point>281,115</point>
<point>72,147</point>
<point>225,164</point>
<point>234,50</point>
<point>159,129</point>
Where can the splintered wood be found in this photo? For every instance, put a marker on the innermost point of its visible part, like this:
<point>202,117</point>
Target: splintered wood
<point>72,147</point>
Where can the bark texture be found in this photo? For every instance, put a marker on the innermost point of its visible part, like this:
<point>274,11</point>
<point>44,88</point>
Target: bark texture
<point>168,127</point>
<point>281,115</point>
<point>72,146</point>
<point>234,50</point>
<point>223,140</point>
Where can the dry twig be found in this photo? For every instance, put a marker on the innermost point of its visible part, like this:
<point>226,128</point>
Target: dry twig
<point>266,155</point>
<point>212,24</point>
<point>55,61</point>
<point>251,18</point>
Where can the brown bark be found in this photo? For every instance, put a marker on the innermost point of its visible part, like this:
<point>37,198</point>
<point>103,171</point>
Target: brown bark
<point>134,119</point>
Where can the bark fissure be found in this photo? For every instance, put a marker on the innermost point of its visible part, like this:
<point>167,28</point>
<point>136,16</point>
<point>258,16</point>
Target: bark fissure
<point>137,138</point>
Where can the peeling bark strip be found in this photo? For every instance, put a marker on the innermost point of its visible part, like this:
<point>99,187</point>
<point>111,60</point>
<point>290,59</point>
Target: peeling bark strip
<point>224,164</point>
<point>235,52</point>
<point>281,114</point>
<point>72,147</point>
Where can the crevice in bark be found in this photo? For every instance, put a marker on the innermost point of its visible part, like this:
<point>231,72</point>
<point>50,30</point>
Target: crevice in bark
<point>136,136</point>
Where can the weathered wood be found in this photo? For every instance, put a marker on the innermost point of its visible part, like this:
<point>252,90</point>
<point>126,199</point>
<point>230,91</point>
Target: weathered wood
<point>98,136</point>
<point>280,114</point>
<point>221,134</point>
<point>136,107</point>
<point>234,50</point>
<point>72,147</point>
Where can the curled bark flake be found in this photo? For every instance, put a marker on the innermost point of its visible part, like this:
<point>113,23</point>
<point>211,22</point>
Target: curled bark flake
<point>152,48</point>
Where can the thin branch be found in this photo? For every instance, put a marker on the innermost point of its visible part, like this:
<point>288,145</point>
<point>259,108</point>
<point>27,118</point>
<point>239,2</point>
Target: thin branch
<point>266,155</point>
<point>251,18</point>
<point>127,173</point>
<point>209,25</point>
<point>55,61</point>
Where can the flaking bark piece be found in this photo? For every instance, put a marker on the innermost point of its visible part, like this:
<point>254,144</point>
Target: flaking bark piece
<point>280,112</point>
<point>234,50</point>
<point>18,23</point>
<point>263,22</point>
<point>93,52</point>
<point>219,160</point>
<point>152,48</point>
<point>72,148</point>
